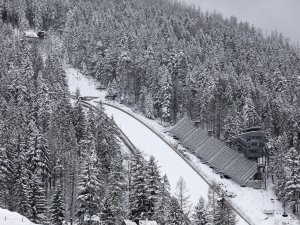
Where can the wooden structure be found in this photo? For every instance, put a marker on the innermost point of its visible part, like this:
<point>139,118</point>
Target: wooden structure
<point>250,142</point>
<point>35,37</point>
<point>214,152</point>
<point>112,92</point>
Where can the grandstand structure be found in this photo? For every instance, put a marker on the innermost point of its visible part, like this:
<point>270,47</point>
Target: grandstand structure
<point>215,153</point>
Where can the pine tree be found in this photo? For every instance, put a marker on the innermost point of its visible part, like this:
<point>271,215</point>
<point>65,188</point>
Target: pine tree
<point>79,118</point>
<point>161,212</point>
<point>138,197</point>
<point>115,189</point>
<point>22,197</point>
<point>223,213</point>
<point>149,110</point>
<point>292,186</point>
<point>91,127</point>
<point>26,72</point>
<point>200,214</point>
<point>182,196</point>
<point>5,168</point>
<point>107,215</point>
<point>212,202</point>
<point>106,142</point>
<point>175,214</point>
<point>57,209</point>
<point>153,183</point>
<point>219,212</point>
<point>37,199</point>
<point>38,153</point>
<point>166,95</point>
<point>43,104</point>
<point>89,186</point>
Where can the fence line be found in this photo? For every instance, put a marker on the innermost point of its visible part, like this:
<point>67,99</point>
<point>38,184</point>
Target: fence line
<point>22,220</point>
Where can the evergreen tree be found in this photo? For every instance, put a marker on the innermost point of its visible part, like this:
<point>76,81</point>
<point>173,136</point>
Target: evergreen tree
<point>223,213</point>
<point>175,214</point>
<point>37,199</point>
<point>219,212</point>
<point>139,202</point>
<point>115,189</point>
<point>149,110</point>
<point>107,215</point>
<point>161,212</point>
<point>166,95</point>
<point>200,214</point>
<point>79,118</point>
<point>106,143</point>
<point>182,196</point>
<point>212,207</point>
<point>153,183</point>
<point>43,108</point>
<point>5,171</point>
<point>292,185</point>
<point>22,191</point>
<point>38,153</point>
<point>57,209</point>
<point>89,186</point>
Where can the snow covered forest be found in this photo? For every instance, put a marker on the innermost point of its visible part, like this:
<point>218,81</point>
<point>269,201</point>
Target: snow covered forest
<point>61,162</point>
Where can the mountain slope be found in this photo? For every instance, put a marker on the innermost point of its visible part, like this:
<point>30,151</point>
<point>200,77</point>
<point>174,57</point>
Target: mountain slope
<point>251,202</point>
<point>12,218</point>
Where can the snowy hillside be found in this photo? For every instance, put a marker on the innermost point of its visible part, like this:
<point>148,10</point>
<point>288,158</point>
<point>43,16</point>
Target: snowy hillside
<point>253,203</point>
<point>12,218</point>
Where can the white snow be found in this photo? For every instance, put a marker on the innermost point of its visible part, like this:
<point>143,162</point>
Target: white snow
<point>128,222</point>
<point>31,34</point>
<point>146,222</point>
<point>12,218</point>
<point>87,87</point>
<point>253,203</point>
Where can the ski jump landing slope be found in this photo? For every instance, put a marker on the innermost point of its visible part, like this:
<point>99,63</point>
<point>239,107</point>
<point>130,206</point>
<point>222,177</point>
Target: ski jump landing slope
<point>12,218</point>
<point>150,144</point>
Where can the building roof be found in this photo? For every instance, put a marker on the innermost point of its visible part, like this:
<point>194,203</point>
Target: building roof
<point>211,150</point>
<point>31,34</point>
<point>129,222</point>
<point>147,222</point>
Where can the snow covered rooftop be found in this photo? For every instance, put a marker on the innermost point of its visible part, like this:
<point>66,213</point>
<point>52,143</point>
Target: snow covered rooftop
<point>31,34</point>
<point>128,222</point>
<point>147,222</point>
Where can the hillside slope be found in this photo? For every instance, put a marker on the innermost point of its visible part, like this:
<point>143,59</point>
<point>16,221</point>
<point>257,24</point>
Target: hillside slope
<point>251,202</point>
<point>12,218</point>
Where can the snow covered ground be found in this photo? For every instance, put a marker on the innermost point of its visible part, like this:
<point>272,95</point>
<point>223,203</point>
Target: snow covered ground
<point>12,218</point>
<point>252,202</point>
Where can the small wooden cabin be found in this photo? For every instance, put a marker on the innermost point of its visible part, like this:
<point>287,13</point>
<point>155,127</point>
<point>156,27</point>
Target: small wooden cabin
<point>35,36</point>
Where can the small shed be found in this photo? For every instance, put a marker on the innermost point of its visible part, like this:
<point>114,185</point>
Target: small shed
<point>33,36</point>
